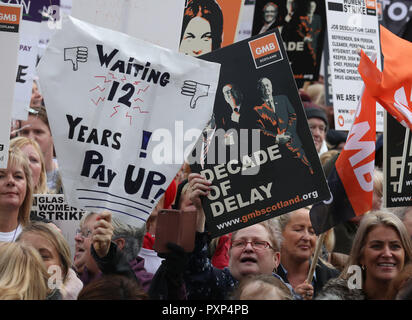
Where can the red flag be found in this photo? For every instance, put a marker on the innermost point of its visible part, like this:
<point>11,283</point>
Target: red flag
<point>392,88</point>
<point>356,162</point>
<point>350,181</point>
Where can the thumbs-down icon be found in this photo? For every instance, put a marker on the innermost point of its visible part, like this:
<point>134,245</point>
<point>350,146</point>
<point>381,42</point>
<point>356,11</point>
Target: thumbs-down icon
<point>195,90</point>
<point>76,55</point>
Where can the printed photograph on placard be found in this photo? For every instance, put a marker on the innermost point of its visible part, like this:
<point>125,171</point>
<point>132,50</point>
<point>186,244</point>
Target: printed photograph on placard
<point>302,25</point>
<point>209,25</point>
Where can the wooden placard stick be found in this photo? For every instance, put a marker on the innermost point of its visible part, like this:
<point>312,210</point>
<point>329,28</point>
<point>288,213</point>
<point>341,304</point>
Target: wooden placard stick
<point>316,254</point>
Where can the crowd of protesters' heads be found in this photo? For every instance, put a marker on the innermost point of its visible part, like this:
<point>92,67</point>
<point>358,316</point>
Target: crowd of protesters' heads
<point>367,257</point>
<point>269,260</point>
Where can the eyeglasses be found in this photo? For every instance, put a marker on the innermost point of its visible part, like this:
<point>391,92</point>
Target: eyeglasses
<point>83,233</point>
<point>256,244</point>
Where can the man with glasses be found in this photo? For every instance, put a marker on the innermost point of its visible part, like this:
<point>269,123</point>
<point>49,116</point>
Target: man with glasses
<point>109,246</point>
<point>254,250</point>
<point>318,125</point>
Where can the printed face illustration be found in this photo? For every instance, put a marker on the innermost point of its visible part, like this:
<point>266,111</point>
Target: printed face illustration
<point>270,13</point>
<point>197,39</point>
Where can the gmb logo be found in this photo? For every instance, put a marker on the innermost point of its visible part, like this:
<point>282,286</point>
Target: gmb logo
<point>265,50</point>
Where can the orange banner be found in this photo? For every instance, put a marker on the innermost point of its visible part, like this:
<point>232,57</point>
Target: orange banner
<point>356,162</point>
<point>392,88</point>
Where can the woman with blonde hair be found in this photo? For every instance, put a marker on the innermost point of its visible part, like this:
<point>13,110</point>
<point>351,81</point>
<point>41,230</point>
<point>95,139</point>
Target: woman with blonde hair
<point>381,248</point>
<point>298,245</point>
<point>16,191</point>
<point>36,161</point>
<point>22,273</point>
<point>55,251</point>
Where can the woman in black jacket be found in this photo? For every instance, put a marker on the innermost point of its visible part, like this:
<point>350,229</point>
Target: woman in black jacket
<point>298,245</point>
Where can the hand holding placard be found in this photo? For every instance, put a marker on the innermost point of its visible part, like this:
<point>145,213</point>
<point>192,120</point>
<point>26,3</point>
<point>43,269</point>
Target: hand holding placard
<point>102,233</point>
<point>198,187</point>
<point>76,55</point>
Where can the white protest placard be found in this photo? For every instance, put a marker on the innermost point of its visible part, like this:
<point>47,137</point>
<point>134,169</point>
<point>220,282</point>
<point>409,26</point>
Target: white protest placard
<point>123,113</point>
<point>10,18</point>
<point>351,25</point>
<point>53,207</point>
<point>156,21</point>
<point>27,57</point>
<point>25,75</point>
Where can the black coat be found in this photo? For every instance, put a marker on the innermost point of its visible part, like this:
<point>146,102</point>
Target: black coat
<point>323,274</point>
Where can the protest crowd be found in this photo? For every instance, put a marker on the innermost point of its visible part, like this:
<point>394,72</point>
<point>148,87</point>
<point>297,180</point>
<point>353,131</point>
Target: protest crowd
<point>352,254</point>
